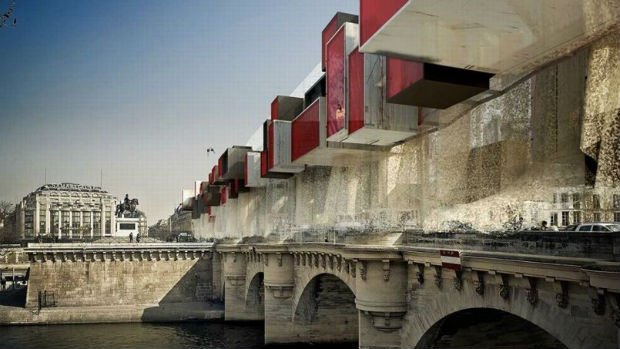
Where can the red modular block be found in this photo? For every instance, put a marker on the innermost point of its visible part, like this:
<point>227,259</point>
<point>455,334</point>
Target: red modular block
<point>271,146</point>
<point>335,83</point>
<point>233,190</point>
<point>356,91</point>
<point>223,196</point>
<point>274,109</point>
<point>212,175</point>
<point>329,31</point>
<point>401,74</point>
<point>374,14</point>
<point>305,131</point>
<point>263,163</point>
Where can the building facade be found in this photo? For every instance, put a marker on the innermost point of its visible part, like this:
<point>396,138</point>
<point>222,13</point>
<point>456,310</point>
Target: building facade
<point>67,211</point>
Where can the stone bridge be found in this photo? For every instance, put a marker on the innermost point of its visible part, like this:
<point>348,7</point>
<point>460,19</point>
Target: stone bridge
<point>403,297</point>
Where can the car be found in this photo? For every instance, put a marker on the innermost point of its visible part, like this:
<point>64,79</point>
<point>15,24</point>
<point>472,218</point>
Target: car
<point>599,227</point>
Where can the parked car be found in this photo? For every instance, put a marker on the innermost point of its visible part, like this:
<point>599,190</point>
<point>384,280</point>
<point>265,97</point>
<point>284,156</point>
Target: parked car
<point>598,226</point>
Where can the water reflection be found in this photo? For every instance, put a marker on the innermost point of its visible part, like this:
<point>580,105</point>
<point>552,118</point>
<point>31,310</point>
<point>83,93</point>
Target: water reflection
<point>134,336</point>
<point>205,335</point>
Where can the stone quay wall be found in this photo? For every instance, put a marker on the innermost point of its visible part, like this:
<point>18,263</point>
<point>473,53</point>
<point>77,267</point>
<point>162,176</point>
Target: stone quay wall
<point>123,275</point>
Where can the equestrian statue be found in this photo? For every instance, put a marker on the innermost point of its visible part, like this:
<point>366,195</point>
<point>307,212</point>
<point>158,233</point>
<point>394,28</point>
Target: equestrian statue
<point>127,208</point>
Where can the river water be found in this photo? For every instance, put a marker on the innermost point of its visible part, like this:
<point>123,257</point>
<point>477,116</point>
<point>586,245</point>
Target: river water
<point>192,335</point>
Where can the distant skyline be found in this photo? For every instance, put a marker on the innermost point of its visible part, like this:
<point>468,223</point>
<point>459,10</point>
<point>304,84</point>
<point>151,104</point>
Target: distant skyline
<point>139,90</point>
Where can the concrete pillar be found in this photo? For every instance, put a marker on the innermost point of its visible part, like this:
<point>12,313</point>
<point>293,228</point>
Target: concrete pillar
<point>113,222</point>
<point>234,286</point>
<point>279,284</point>
<point>48,218</point>
<point>37,219</point>
<point>59,223</point>
<point>70,224</point>
<point>102,218</point>
<point>381,300</point>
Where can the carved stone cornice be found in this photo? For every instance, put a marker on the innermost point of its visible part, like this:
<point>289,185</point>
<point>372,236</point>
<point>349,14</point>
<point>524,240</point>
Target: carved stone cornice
<point>280,291</point>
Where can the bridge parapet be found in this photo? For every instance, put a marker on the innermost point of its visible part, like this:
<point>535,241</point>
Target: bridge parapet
<point>62,252</point>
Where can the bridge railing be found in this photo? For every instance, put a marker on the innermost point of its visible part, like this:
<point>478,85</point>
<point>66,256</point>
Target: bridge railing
<point>600,245</point>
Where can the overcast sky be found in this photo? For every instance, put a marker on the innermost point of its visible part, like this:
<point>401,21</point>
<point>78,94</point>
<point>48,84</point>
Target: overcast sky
<point>140,89</point>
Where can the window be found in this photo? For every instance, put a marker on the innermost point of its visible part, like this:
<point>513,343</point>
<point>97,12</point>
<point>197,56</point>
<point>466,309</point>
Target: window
<point>554,219</point>
<point>577,200</point>
<point>576,217</point>
<point>616,216</point>
<point>127,226</point>
<point>596,201</point>
<point>596,216</point>
<point>555,198</point>
<point>616,200</point>
<point>564,198</point>
<point>599,228</point>
<point>564,218</point>
<point>585,228</point>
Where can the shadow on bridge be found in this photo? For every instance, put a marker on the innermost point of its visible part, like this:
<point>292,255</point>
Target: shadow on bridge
<point>190,298</point>
<point>485,329</point>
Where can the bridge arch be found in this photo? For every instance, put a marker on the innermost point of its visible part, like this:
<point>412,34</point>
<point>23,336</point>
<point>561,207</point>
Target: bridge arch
<point>328,302</point>
<point>486,328</point>
<point>304,277</point>
<point>255,291</point>
<point>430,308</point>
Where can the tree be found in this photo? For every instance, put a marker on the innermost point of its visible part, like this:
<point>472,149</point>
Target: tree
<point>8,231</point>
<point>7,17</point>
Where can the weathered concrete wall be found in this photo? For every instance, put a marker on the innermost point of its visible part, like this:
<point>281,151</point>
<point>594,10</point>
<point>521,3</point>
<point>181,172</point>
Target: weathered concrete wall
<point>503,159</point>
<point>104,283</point>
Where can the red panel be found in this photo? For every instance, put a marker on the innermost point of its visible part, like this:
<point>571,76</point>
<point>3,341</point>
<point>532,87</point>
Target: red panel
<point>223,196</point>
<point>401,74</point>
<point>274,109</point>
<point>263,163</point>
<point>335,83</point>
<point>270,149</point>
<point>305,131</point>
<point>356,91</point>
<point>212,175</point>
<point>374,14</point>
<point>328,32</point>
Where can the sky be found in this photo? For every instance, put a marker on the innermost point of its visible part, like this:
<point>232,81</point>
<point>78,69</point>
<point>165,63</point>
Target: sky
<point>130,94</point>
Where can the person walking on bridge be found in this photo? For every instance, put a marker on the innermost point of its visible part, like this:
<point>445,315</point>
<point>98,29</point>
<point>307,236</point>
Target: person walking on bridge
<point>130,237</point>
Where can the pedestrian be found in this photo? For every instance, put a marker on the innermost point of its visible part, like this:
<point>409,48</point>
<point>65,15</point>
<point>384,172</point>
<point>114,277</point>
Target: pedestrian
<point>138,237</point>
<point>544,226</point>
<point>130,237</point>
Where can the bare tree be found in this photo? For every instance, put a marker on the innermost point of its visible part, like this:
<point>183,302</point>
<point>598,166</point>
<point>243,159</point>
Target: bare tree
<point>8,231</point>
<point>6,209</point>
<point>7,15</point>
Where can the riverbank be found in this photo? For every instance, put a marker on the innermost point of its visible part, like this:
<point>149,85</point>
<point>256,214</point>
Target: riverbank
<point>169,312</point>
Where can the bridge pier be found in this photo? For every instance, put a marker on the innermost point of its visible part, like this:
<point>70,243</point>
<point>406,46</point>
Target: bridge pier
<point>234,266</point>
<point>381,300</point>
<point>279,284</point>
